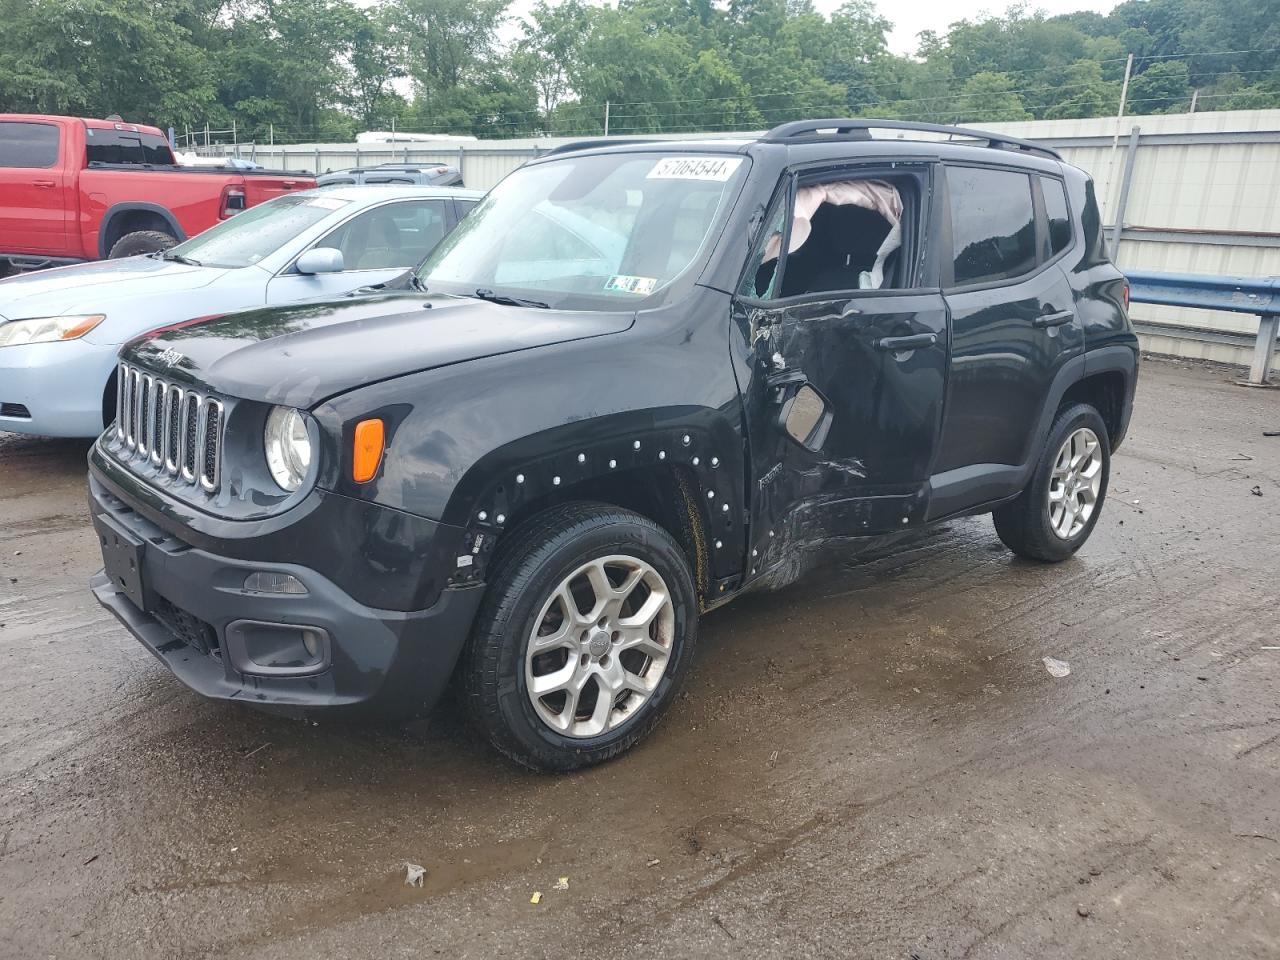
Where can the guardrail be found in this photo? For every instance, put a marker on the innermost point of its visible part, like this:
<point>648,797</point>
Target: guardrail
<point>1256,295</point>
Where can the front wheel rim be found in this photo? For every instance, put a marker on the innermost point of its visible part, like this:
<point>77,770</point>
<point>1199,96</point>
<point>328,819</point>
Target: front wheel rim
<point>600,645</point>
<point>1075,483</point>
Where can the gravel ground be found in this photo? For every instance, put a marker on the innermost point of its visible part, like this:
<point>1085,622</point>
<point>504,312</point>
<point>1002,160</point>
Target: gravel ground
<point>872,763</point>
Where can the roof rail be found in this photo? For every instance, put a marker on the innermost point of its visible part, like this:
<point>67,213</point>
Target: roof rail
<point>599,142</point>
<point>808,131</point>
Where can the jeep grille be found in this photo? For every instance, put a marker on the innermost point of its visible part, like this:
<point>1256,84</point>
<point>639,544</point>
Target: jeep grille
<point>169,427</point>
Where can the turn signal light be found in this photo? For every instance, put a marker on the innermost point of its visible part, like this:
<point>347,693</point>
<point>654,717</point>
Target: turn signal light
<point>370,440</point>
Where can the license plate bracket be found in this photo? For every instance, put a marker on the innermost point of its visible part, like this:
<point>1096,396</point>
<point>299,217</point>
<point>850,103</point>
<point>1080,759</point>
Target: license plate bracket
<point>122,556</point>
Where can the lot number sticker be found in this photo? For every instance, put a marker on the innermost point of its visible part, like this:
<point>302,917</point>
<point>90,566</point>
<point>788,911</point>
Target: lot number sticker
<point>717,169</point>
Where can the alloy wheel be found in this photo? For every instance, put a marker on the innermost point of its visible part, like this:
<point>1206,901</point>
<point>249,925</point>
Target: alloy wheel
<point>1075,483</point>
<point>599,646</point>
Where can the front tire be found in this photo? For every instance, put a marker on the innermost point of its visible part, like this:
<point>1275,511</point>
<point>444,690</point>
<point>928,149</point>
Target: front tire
<point>585,634</point>
<point>1060,505</point>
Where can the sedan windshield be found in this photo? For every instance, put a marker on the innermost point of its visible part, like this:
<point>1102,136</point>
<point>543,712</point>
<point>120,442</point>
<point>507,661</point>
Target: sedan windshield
<point>256,233</point>
<point>589,231</point>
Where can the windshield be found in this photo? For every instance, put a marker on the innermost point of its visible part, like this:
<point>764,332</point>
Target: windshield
<point>597,231</point>
<point>257,232</point>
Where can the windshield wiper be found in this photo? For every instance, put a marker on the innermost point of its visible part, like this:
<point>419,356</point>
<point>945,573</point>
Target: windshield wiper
<point>484,293</point>
<point>179,258</point>
<point>415,281</point>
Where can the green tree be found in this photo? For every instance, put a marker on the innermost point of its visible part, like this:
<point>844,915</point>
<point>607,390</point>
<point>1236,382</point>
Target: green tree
<point>991,97</point>
<point>1163,87</point>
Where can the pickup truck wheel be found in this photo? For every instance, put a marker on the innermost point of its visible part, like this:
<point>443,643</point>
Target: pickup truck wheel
<point>140,241</point>
<point>1054,515</point>
<point>583,638</point>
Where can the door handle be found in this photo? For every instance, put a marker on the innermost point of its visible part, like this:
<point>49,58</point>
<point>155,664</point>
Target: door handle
<point>1053,319</point>
<point>915,342</point>
<point>43,183</point>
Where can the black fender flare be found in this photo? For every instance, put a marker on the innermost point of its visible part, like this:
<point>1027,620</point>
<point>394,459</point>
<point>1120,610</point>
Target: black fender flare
<point>1118,358</point>
<point>698,450</point>
<point>135,206</point>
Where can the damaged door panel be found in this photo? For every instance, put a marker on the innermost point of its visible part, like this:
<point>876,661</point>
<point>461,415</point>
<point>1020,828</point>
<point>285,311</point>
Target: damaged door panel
<point>870,373</point>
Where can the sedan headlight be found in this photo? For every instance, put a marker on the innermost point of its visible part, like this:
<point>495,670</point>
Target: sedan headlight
<point>288,447</point>
<point>47,329</point>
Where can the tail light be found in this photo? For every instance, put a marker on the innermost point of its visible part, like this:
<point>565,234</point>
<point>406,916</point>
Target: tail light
<point>1125,288</point>
<point>232,201</point>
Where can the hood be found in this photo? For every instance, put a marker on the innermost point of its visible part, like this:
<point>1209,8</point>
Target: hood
<point>93,287</point>
<point>303,354</point>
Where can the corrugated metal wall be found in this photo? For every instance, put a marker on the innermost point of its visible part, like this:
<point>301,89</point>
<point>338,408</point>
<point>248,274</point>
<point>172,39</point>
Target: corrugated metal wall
<point>1204,197</point>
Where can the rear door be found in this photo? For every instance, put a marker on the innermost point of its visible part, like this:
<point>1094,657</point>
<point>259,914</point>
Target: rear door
<point>1013,322</point>
<point>845,401</point>
<point>33,182</point>
<point>377,245</point>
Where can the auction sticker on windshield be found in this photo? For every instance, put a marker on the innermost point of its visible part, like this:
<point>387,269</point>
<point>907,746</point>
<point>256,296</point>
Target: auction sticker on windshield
<point>717,169</point>
<point>641,285</point>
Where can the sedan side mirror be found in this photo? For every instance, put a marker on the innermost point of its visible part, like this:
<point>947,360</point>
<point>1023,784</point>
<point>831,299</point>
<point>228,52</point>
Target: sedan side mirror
<point>321,260</point>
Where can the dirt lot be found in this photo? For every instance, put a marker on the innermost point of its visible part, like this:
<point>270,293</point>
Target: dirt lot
<point>873,763</point>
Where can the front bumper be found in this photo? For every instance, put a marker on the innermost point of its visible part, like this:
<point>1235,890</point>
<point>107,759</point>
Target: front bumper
<point>391,660</point>
<point>61,385</point>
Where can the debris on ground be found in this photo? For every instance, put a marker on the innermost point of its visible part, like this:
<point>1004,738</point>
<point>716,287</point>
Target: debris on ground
<point>1057,668</point>
<point>1082,911</point>
<point>1271,433</point>
<point>415,874</point>
<point>653,863</point>
<point>562,883</point>
<point>256,750</point>
<point>91,859</point>
<point>1256,491</point>
<point>537,897</point>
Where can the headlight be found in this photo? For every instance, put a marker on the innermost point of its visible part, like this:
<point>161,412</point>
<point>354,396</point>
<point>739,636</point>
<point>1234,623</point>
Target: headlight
<point>288,447</point>
<point>47,329</point>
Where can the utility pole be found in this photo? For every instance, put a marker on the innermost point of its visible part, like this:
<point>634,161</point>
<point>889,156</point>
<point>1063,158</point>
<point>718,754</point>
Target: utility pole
<point>1124,96</point>
<point>1195,95</point>
<point>606,118</point>
<point>271,134</point>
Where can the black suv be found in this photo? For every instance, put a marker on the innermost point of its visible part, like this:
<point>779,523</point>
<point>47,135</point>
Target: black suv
<point>637,380</point>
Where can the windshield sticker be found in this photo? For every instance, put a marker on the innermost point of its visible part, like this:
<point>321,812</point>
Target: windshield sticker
<point>638,285</point>
<point>326,203</point>
<point>718,169</point>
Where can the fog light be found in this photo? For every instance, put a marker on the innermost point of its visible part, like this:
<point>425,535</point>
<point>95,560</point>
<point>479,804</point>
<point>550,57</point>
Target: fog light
<point>277,649</point>
<point>274,583</point>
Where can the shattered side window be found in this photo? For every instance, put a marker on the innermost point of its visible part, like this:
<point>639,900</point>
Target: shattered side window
<point>761,280</point>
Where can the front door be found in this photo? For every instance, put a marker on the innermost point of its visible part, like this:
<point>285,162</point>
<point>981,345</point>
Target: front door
<point>845,389</point>
<point>377,246</point>
<point>33,215</point>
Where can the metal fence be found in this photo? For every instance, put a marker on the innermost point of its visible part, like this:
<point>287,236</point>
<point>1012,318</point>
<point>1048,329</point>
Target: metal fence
<point>1185,193</point>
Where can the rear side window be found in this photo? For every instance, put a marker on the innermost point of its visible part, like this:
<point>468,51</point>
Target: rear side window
<point>993,224</point>
<point>28,144</point>
<point>1055,208</point>
<point>126,146</point>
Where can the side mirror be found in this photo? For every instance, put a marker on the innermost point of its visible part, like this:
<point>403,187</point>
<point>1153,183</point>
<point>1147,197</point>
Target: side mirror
<point>321,260</point>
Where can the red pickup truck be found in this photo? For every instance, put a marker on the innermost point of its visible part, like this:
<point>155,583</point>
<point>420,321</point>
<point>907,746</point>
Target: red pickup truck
<point>74,189</point>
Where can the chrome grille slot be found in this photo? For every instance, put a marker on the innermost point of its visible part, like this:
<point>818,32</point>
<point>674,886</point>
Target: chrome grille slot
<point>144,414</point>
<point>172,416</point>
<point>167,430</point>
<point>159,391</point>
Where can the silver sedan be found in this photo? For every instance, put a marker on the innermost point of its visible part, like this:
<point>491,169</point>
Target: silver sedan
<point>60,329</point>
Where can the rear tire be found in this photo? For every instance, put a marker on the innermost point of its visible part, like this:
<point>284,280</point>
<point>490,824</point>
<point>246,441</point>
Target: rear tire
<point>621,669</point>
<point>1060,505</point>
<point>140,242</point>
